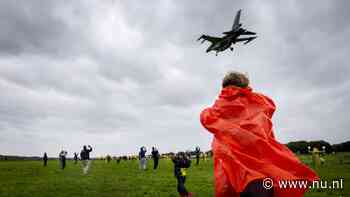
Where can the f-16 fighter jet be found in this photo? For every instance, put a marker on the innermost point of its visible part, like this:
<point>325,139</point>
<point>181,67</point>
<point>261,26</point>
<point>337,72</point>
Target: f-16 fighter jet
<point>231,37</point>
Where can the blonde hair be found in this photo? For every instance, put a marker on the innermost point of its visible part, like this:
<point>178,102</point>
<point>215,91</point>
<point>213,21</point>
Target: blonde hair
<point>234,78</point>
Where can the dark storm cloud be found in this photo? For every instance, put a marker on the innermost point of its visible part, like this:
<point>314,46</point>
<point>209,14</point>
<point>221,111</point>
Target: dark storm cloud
<point>122,74</point>
<point>34,27</point>
<point>317,53</point>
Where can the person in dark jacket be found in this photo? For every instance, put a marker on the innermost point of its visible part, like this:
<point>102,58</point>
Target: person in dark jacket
<point>62,158</point>
<point>198,153</point>
<point>85,158</point>
<point>45,158</point>
<point>155,156</point>
<point>108,158</point>
<point>85,153</point>
<point>181,163</point>
<point>75,158</point>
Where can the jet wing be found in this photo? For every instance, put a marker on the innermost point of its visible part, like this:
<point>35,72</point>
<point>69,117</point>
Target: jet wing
<point>247,40</point>
<point>209,38</point>
<point>236,24</point>
<point>248,33</point>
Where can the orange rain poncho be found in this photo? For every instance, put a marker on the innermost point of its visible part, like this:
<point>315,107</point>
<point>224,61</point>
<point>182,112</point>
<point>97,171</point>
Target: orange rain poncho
<point>244,146</point>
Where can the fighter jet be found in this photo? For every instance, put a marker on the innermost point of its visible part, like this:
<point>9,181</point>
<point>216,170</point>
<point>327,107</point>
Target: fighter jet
<point>231,37</point>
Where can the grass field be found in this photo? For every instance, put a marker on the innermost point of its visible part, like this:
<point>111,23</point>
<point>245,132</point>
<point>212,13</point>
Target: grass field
<point>30,178</point>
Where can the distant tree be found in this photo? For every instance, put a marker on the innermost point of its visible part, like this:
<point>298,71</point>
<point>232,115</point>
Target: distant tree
<point>302,146</point>
<point>320,144</point>
<point>298,146</point>
<point>342,147</point>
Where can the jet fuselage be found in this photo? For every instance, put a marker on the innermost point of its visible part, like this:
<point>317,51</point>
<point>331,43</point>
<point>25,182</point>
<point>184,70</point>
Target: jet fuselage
<point>225,43</point>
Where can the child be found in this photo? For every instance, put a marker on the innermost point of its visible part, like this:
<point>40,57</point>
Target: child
<point>181,162</point>
<point>244,146</point>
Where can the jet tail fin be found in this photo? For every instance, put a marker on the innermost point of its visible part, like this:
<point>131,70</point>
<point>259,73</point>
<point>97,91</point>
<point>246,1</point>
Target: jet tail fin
<point>236,23</point>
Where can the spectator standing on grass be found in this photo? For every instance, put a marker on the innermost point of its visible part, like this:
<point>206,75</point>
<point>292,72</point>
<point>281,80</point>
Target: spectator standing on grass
<point>142,158</point>
<point>45,158</point>
<point>244,146</point>
<point>75,158</point>
<point>181,163</point>
<point>108,158</point>
<point>198,154</point>
<point>155,156</point>
<point>62,158</point>
<point>85,158</point>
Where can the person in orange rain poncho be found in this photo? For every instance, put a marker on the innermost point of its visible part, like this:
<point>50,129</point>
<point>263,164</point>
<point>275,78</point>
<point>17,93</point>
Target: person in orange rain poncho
<point>248,160</point>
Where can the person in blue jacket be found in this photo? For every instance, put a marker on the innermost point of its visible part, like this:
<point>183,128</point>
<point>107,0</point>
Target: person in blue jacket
<point>142,158</point>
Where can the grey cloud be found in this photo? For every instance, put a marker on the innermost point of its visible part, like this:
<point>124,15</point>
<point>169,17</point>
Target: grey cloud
<point>30,27</point>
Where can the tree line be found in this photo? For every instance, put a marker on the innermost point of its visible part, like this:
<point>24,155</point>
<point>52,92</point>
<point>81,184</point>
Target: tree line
<point>304,147</point>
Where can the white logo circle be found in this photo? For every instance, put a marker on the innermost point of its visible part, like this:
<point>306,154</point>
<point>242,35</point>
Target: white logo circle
<point>267,183</point>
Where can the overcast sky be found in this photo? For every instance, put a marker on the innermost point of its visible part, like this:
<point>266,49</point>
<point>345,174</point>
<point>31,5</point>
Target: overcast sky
<point>121,74</point>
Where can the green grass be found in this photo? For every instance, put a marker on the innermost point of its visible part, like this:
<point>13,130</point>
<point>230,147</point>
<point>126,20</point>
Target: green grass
<point>30,178</point>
